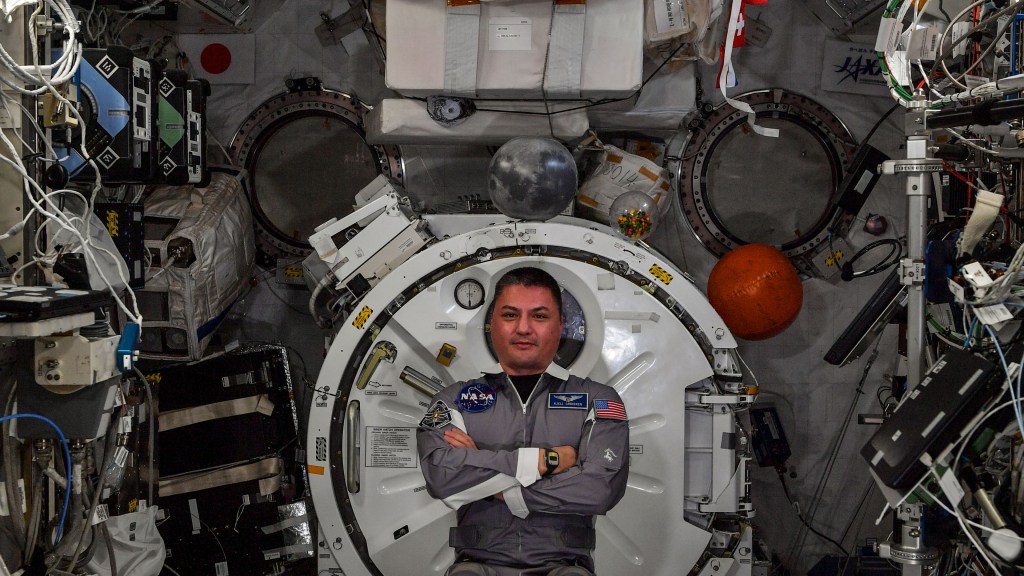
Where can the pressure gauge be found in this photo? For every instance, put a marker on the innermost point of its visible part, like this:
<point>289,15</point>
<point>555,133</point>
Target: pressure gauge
<point>469,294</point>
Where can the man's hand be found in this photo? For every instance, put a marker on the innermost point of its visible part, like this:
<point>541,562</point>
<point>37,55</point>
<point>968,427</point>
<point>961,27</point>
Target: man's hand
<point>458,439</point>
<point>566,460</point>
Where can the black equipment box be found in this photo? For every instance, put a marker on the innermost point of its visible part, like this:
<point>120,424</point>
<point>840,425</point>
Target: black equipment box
<point>124,224</point>
<point>182,142</point>
<point>231,470</point>
<point>117,100</point>
<point>237,406</point>
<point>31,303</point>
<point>236,529</point>
<point>933,416</point>
<point>769,439</point>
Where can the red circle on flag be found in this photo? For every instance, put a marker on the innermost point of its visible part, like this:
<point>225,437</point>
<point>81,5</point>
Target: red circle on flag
<point>215,59</point>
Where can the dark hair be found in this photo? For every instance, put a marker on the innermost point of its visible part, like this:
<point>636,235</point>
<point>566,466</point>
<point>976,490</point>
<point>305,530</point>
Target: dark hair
<point>529,276</point>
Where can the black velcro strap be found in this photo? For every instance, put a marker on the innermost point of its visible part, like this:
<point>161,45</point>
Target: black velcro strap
<point>464,537</point>
<point>579,537</point>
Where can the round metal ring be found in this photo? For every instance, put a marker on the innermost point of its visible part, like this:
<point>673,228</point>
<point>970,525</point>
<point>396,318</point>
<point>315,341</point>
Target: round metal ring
<point>339,158</point>
<point>710,148</point>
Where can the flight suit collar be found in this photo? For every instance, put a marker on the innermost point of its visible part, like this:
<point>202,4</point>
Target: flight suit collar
<point>552,369</point>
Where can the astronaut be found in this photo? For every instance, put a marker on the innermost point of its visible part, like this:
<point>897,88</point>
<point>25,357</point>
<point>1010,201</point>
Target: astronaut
<point>526,453</point>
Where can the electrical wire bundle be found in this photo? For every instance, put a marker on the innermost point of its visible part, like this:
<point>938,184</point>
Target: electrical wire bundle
<point>50,78</point>
<point>45,76</point>
<point>938,86</point>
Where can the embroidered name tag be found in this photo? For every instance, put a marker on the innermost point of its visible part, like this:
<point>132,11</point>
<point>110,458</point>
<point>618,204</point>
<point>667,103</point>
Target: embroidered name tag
<point>570,401</point>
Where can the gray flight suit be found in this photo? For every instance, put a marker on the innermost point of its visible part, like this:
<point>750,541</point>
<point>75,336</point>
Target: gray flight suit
<point>543,523</point>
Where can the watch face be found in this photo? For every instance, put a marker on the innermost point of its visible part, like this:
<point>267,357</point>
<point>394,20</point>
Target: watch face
<point>469,294</point>
<point>552,459</point>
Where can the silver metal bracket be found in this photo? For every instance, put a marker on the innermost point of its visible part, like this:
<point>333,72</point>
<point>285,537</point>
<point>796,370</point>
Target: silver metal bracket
<point>712,399</point>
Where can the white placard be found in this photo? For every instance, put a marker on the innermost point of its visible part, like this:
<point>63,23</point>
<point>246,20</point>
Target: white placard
<point>951,487</point>
<point>510,33</point>
<point>390,447</point>
<point>852,68</point>
<point>993,315</point>
<point>669,16</point>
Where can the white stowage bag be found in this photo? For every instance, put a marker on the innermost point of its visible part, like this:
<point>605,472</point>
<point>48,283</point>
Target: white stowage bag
<point>106,262</point>
<point>186,304</point>
<point>620,172</point>
<point>502,50</point>
<point>138,548</point>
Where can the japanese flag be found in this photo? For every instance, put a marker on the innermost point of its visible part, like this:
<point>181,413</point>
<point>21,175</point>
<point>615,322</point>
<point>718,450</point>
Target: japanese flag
<point>221,58</point>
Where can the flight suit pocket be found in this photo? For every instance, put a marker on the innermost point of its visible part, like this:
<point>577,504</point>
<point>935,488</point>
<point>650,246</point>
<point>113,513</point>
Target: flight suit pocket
<point>579,537</point>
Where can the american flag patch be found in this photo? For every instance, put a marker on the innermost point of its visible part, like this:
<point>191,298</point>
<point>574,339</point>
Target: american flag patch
<point>609,409</point>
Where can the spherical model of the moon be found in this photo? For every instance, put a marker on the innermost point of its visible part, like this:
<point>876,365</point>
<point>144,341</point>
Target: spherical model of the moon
<point>532,178</point>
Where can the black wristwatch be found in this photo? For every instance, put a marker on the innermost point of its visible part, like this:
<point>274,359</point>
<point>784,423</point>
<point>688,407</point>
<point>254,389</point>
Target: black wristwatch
<point>550,460</point>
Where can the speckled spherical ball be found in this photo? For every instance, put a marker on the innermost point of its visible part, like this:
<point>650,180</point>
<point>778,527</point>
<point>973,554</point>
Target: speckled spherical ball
<point>532,178</point>
<point>756,290</point>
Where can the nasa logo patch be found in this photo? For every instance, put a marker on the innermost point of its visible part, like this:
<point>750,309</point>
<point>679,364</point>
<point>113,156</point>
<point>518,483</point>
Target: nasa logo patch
<point>476,398</point>
<point>578,401</point>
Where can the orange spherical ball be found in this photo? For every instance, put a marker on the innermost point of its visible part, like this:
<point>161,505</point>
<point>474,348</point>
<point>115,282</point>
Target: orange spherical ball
<point>756,290</point>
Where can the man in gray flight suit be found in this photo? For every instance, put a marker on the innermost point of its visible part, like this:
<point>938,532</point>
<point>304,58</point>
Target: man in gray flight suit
<point>526,453</point>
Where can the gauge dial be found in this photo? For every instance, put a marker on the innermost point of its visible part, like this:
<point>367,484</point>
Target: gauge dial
<point>469,294</point>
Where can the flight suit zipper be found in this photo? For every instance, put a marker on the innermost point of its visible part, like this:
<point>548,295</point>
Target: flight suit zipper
<point>508,379</point>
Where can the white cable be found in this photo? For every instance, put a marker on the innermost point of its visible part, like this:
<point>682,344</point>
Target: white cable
<point>963,521</point>
<point>749,371</point>
<point>60,70</point>
<point>64,222</point>
<point>1014,394</point>
<point>316,293</point>
<point>942,40</point>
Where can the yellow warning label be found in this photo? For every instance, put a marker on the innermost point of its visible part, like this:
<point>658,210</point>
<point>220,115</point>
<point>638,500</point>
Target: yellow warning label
<point>363,316</point>
<point>661,274</point>
<point>113,222</point>
<point>318,470</point>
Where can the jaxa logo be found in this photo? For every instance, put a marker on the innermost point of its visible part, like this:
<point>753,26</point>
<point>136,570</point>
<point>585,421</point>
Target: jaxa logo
<point>569,401</point>
<point>476,398</point>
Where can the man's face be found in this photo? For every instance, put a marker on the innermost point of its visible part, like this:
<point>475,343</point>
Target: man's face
<point>525,329</point>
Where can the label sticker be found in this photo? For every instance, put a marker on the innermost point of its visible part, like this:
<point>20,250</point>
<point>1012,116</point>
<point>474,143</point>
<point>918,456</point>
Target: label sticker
<point>568,401</point>
<point>390,447</point>
<point>510,33</point>
<point>670,16</point>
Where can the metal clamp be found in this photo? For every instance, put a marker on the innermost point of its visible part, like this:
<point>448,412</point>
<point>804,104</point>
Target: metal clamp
<point>911,165</point>
<point>911,272</point>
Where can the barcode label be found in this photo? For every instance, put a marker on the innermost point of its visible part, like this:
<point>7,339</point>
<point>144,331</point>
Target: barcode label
<point>120,455</point>
<point>959,30</point>
<point>101,514</point>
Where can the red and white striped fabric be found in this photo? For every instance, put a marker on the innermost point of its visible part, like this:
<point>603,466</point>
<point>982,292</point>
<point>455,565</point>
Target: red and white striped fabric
<point>612,409</point>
